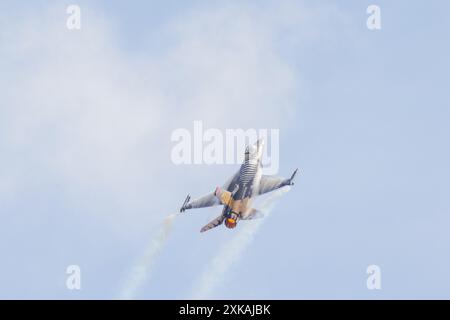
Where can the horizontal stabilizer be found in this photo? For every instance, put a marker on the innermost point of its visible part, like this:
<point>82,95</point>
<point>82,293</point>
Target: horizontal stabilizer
<point>253,214</point>
<point>217,221</point>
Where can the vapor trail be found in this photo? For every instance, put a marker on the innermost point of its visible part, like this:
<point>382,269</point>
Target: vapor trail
<point>142,270</point>
<point>230,253</point>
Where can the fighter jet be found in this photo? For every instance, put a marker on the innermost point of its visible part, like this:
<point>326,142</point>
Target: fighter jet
<point>237,193</point>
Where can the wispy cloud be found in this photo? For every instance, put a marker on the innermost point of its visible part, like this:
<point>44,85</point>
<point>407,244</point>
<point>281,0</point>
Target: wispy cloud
<point>142,269</point>
<point>92,119</point>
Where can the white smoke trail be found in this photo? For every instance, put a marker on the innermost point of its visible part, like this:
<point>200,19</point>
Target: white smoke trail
<point>216,270</point>
<point>142,270</point>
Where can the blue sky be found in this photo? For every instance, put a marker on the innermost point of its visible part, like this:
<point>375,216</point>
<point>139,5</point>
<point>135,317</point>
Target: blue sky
<point>86,117</point>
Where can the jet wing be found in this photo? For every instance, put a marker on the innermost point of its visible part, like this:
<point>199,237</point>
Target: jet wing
<point>216,222</point>
<point>207,200</point>
<point>270,183</point>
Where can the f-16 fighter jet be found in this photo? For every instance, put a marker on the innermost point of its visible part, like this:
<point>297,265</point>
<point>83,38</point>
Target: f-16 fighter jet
<point>238,192</point>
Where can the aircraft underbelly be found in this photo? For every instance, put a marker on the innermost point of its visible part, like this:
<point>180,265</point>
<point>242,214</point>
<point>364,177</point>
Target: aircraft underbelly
<point>243,198</point>
<point>241,206</point>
